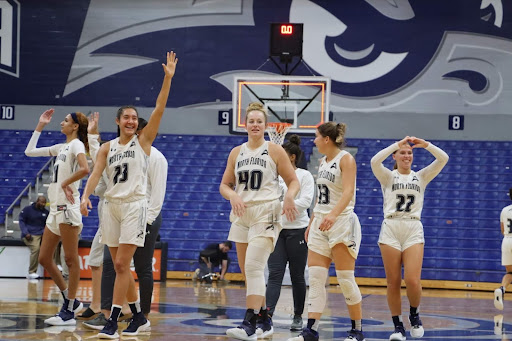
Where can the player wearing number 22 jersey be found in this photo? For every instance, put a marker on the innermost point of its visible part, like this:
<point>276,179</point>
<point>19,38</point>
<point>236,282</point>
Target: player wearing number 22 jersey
<point>401,238</point>
<point>506,255</point>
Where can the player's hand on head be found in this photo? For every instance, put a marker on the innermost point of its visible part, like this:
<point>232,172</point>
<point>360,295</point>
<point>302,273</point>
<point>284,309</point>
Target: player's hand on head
<point>46,116</point>
<point>418,143</point>
<point>404,142</point>
<point>170,66</point>
<point>238,206</point>
<point>93,119</point>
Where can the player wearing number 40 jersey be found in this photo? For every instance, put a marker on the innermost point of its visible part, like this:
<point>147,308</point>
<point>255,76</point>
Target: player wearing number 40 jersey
<point>250,182</point>
<point>401,237</point>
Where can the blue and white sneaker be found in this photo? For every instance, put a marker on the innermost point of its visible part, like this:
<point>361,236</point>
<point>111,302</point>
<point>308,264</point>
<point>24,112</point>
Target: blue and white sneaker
<point>498,298</point>
<point>77,305</point>
<point>264,328</point>
<point>63,318</point>
<point>306,335</point>
<point>416,326</point>
<point>399,334</point>
<point>138,324</point>
<point>355,335</point>
<point>109,331</point>
<point>245,331</point>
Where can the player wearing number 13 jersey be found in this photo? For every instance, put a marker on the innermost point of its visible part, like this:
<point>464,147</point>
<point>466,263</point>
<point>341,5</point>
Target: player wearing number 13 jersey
<point>401,237</point>
<point>334,232</point>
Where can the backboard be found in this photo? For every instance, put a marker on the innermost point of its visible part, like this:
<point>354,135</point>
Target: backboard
<point>302,101</point>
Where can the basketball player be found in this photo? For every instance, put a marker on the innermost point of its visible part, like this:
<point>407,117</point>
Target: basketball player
<point>401,238</point>
<point>124,215</point>
<point>250,183</point>
<point>506,253</point>
<point>291,247</point>
<point>64,221</point>
<point>143,256</point>
<point>334,232</point>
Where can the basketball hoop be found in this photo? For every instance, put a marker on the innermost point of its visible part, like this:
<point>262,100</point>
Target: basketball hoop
<point>277,131</point>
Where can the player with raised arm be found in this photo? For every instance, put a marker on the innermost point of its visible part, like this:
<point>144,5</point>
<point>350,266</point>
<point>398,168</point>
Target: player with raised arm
<point>124,216</point>
<point>65,221</point>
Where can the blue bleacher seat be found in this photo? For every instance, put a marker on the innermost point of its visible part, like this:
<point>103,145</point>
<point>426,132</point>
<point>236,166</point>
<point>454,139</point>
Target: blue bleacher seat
<point>461,224</point>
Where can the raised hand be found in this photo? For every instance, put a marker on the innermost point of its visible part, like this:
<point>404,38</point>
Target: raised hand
<point>418,143</point>
<point>93,119</point>
<point>404,142</point>
<point>46,117</point>
<point>170,67</point>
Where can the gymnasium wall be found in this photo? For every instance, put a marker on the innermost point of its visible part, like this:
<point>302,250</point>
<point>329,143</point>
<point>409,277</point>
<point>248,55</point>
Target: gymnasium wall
<point>397,67</point>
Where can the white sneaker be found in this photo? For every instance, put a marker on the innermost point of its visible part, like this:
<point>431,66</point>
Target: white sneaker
<point>498,299</point>
<point>58,321</point>
<point>417,331</point>
<point>498,324</point>
<point>398,335</point>
<point>244,332</point>
<point>32,275</point>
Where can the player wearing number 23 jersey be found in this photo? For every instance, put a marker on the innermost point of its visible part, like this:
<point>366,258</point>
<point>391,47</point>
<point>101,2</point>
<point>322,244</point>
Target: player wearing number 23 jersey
<point>127,171</point>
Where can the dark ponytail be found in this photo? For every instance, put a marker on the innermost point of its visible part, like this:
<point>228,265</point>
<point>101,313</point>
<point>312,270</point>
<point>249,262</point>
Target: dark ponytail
<point>83,123</point>
<point>292,147</point>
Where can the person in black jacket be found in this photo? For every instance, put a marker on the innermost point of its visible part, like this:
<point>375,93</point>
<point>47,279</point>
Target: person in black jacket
<point>214,255</point>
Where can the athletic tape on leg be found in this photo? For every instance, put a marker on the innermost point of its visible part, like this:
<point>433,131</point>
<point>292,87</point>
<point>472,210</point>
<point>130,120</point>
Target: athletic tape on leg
<point>317,294</point>
<point>256,258</point>
<point>349,286</point>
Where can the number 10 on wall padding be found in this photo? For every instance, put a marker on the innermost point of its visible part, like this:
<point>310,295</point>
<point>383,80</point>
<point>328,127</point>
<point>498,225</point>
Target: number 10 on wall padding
<point>6,112</point>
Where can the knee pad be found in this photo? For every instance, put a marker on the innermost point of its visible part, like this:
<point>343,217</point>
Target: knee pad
<point>256,258</point>
<point>317,295</point>
<point>349,286</point>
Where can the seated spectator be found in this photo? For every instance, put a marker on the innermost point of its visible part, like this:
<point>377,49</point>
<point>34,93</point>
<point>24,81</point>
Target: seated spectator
<point>32,220</point>
<point>214,255</point>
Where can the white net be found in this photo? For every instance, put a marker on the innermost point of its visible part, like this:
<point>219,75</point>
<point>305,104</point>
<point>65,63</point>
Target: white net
<point>277,132</point>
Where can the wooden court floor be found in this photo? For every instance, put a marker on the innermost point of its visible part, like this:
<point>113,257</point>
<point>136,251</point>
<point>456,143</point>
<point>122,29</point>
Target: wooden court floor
<point>186,310</point>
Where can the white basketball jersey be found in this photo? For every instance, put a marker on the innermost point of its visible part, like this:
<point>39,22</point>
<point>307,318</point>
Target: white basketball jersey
<point>403,198</point>
<point>506,220</point>
<point>127,171</point>
<point>330,186</point>
<point>66,163</point>
<point>256,175</point>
